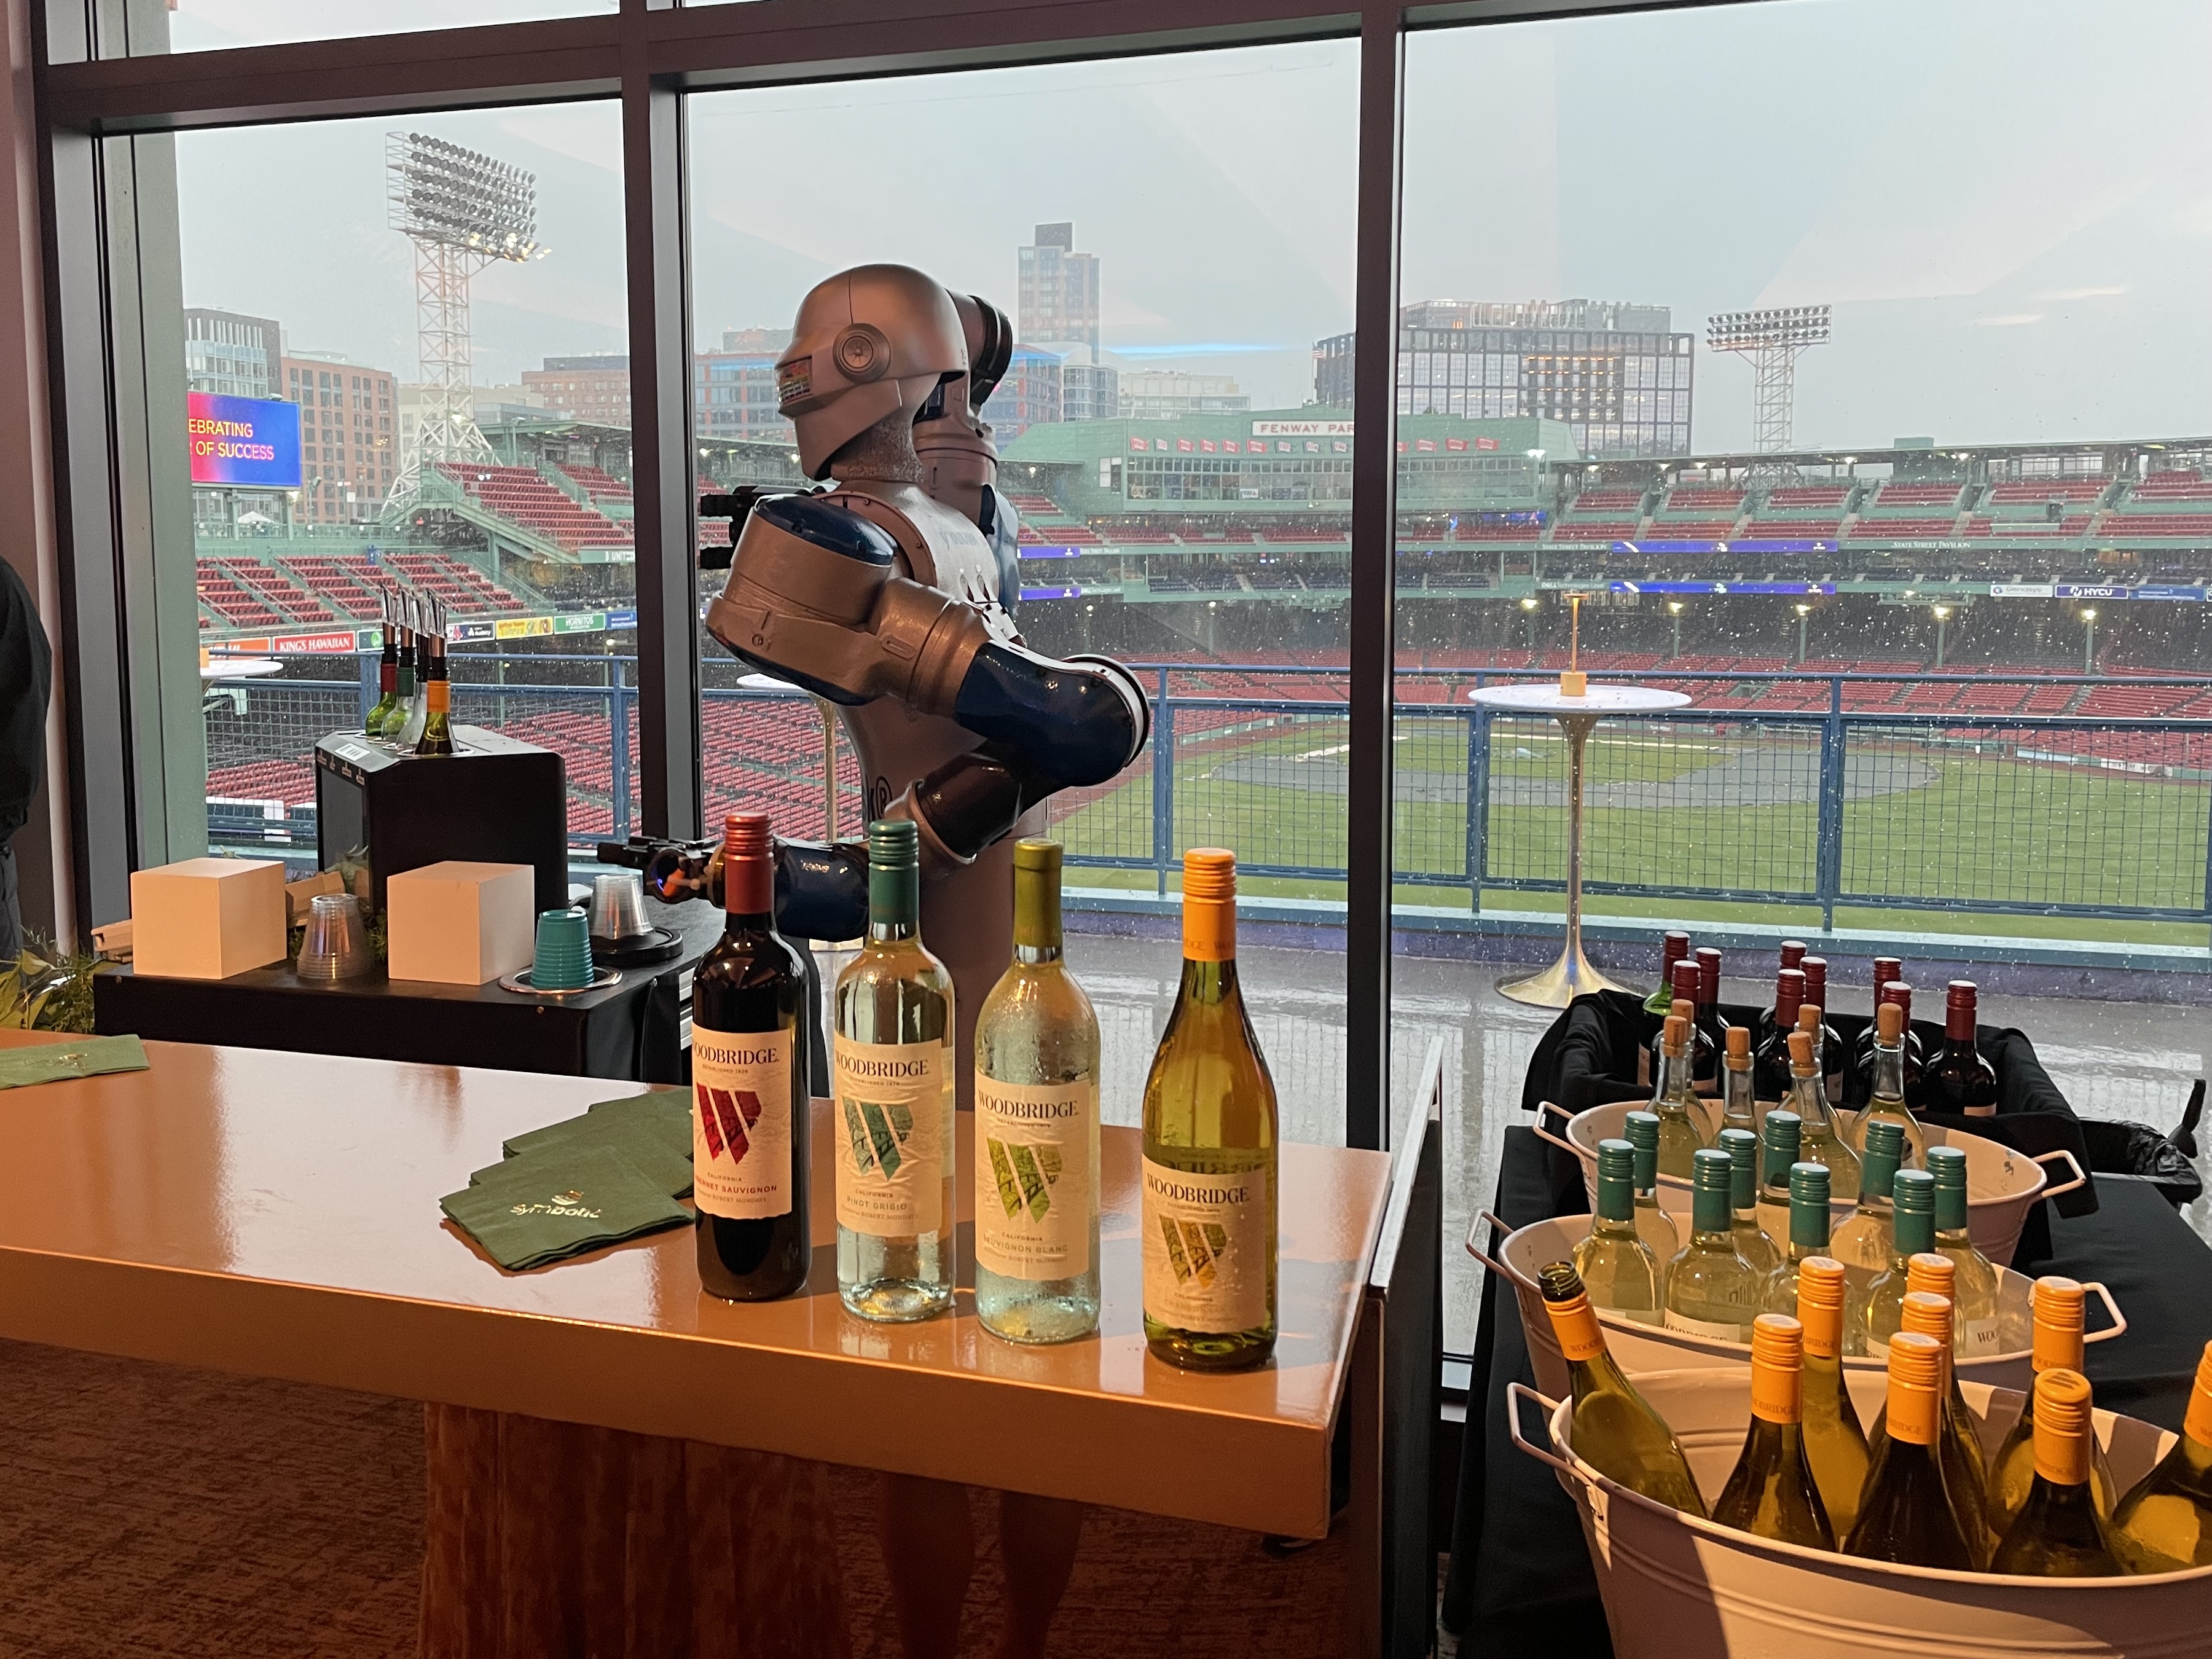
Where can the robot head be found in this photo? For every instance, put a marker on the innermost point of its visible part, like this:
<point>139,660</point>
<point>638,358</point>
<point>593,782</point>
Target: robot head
<point>866,343</point>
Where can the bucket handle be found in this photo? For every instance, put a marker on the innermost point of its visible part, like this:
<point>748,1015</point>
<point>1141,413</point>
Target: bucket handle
<point>1545,1107</point>
<point>1515,1394</point>
<point>1484,1257</point>
<point>2119,1325</point>
<point>2072,1163</point>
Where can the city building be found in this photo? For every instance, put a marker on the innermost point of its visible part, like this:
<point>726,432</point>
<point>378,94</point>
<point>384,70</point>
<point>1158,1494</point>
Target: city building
<point>230,354</point>
<point>1164,394</point>
<point>349,437</point>
<point>1617,374</point>
<point>1056,295</point>
<point>595,388</point>
<point>734,390</point>
<point>1089,390</point>
<point>1030,393</point>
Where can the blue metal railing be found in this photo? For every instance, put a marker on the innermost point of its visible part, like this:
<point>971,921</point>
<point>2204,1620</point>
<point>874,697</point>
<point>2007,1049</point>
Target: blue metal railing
<point>1838,805</point>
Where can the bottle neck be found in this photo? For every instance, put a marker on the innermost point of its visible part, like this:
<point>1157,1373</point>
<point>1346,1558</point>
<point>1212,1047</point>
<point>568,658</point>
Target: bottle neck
<point>1959,1024</point>
<point>1738,1104</point>
<point>1914,1231</point>
<point>1674,1079</point>
<point>1037,937</point>
<point>1808,1099</point>
<point>1888,1070</point>
<point>894,903</point>
<point>1616,1198</point>
<point>748,891</point>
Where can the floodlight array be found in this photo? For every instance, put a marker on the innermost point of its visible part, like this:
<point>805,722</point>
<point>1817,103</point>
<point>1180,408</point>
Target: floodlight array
<point>441,192</point>
<point>1760,330</point>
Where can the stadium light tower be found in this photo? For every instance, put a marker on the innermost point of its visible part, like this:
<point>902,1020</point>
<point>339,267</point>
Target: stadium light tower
<point>464,211</point>
<point>1773,341</point>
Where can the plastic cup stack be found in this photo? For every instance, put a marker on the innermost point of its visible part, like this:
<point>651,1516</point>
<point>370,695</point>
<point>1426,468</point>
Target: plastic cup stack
<point>336,944</point>
<point>563,962</point>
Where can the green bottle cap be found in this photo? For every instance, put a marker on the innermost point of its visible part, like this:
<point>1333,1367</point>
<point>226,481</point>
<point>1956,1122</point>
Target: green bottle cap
<point>1886,1134</point>
<point>1616,1178</point>
<point>894,871</point>
<point>1742,1148</point>
<point>1712,1185</point>
<point>1948,1166</point>
<point>1779,1133</point>
<point>1913,1192</point>
<point>1036,894</point>
<point>1884,1153</point>
<point>1644,1136</point>
<point>1809,1204</point>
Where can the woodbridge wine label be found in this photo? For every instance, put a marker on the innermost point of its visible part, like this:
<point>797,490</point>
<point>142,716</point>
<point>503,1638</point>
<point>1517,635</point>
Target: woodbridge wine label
<point>894,1131</point>
<point>1204,1247</point>
<point>1033,1145</point>
<point>741,1123</point>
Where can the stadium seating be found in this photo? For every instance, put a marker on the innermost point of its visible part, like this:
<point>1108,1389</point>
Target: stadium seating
<point>1692,530</point>
<point>2162,526</point>
<point>1793,498</point>
<point>600,486</point>
<point>2047,489</point>
<point>1902,530</point>
<point>1793,529</point>
<point>1614,503</point>
<point>1982,527</point>
<point>521,496</point>
<point>1915,495</point>
<point>1592,530</point>
<point>1702,498</point>
<point>2179,485</point>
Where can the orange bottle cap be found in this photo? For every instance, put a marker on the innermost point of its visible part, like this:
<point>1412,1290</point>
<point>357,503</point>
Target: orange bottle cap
<point>1820,1305</point>
<point>1927,1271</point>
<point>1777,1368</point>
<point>1927,1313</point>
<point>2062,1426</point>
<point>1916,1374</point>
<point>2057,1303</point>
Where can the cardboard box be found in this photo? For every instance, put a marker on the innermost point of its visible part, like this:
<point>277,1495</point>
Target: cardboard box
<point>460,923</point>
<point>208,917</point>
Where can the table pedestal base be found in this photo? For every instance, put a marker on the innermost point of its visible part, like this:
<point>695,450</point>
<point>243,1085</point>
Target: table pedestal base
<point>1570,977</point>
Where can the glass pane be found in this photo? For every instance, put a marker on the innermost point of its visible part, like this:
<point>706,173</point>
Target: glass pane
<point>214,25</point>
<point>1901,482</point>
<point>1183,507</point>
<point>424,418</point>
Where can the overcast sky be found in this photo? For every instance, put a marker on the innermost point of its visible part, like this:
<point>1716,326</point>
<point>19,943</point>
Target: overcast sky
<point>2007,201</point>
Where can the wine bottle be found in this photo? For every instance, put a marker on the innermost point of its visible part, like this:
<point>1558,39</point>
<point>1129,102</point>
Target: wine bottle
<point>2165,1521</point>
<point>2057,1305</point>
<point>1829,1050</point>
<point>1927,1310</point>
<point>1770,1074</point>
<point>1835,1445</point>
<point>437,735</point>
<point>387,684</point>
<point>1905,1514</point>
<point>1675,1101</point>
<point>1036,1128</point>
<point>750,1127</point>
<point>1712,1023</point>
<point>1912,1230</point>
<point>1211,1134</point>
<point>1886,968</point>
<point>1819,1140</point>
<point>402,690</point>
<point>1739,1099</point>
<point>2058,1533</point>
<point>1772,1491</point>
<point>1777,1140</point>
<point>1956,1076</point>
<point>1653,1225</point>
<point>1751,1243</point>
<point>1899,994</point>
<point>1618,1268</point>
<point>1711,1291</point>
<point>1866,1241</point>
<point>1886,1103</point>
<point>1616,1433</point>
<point>1704,1062</point>
<point>418,706</point>
<point>1673,948</point>
<point>893,1066</point>
<point>1975,1290</point>
<point>1808,1236</point>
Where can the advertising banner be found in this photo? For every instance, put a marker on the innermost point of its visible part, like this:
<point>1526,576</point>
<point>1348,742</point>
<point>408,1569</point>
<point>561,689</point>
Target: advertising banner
<point>252,442</point>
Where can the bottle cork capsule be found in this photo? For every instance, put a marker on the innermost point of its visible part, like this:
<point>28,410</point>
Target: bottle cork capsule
<point>1681,1008</point>
<point>1800,1052</point>
<point>1889,1022</point>
<point>1738,1047</point>
<point>1677,1035</point>
<point>1809,1015</point>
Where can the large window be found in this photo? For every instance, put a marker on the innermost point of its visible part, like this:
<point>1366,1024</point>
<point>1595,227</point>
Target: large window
<point>214,25</point>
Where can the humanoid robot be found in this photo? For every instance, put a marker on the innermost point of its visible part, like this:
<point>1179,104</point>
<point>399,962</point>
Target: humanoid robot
<point>888,595</point>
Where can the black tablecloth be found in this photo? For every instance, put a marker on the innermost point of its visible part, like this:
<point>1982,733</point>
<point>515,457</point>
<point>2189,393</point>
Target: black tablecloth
<point>1520,1580</point>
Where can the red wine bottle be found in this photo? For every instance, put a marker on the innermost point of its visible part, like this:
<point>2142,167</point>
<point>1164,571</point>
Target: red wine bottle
<point>750,1116</point>
<point>1958,1076</point>
<point>1833,1055</point>
<point>1704,1056</point>
<point>1770,1069</point>
<point>1673,948</point>
<point>1712,1024</point>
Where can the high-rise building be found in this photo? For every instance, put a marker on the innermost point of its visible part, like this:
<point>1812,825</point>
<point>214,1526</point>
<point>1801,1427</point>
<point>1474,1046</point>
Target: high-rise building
<point>734,390</point>
<point>1616,374</point>
<point>595,388</point>
<point>230,354</point>
<point>1030,393</point>
<point>1057,290</point>
<point>1163,394</point>
<point>349,437</point>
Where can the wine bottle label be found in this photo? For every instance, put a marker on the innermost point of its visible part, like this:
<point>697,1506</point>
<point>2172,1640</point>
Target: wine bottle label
<point>1576,1325</point>
<point>1911,1414</point>
<point>438,696</point>
<point>741,1123</point>
<point>1033,1179</point>
<point>1824,1328</point>
<point>1205,1247</point>
<point>894,1133</point>
<point>1777,1393</point>
<point>1713,1330</point>
<point>2062,1459</point>
<point>1977,1339</point>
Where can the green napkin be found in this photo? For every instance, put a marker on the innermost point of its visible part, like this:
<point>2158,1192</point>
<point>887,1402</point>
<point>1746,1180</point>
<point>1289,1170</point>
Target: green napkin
<point>670,1107</point>
<point>525,1216</point>
<point>658,1155</point>
<point>54,1062</point>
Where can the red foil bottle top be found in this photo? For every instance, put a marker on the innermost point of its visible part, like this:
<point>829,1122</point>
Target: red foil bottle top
<point>1793,952</point>
<point>1672,947</point>
<point>748,864</point>
<point>1960,1000</point>
<point>1887,969</point>
<point>1709,974</point>
<point>1816,980</point>
<point>1682,980</point>
<point>1789,996</point>
<point>1899,992</point>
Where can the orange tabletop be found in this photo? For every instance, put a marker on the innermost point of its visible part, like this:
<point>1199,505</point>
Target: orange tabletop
<point>276,1214</point>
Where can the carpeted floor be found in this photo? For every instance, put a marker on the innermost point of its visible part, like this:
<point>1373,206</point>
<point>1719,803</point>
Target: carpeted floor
<point>146,1510</point>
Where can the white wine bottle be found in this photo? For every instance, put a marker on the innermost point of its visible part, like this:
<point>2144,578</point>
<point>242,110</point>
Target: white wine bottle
<point>892,1070</point>
<point>2058,1308</point>
<point>2058,1533</point>
<point>1835,1445</point>
<point>1886,1104</point>
<point>1975,1290</point>
<point>1905,1514</point>
<point>1037,1129</point>
<point>1808,1236</point>
<point>1616,1267</point>
<point>1911,1232</point>
<point>1675,1100</point>
<point>1711,1291</point>
<point>1653,1225</point>
<point>1616,1431</point>
<point>1966,1472</point>
<point>1865,1240</point>
<point>1771,1493</point>
<point>1777,1141</point>
<point>1751,1243</point>
<point>1211,1145</point>
<point>2165,1523</point>
<point>1818,1140</point>
<point>1739,1103</point>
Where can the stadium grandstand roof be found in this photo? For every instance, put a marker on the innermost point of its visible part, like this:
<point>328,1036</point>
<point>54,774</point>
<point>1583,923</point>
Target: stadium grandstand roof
<point>1932,459</point>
